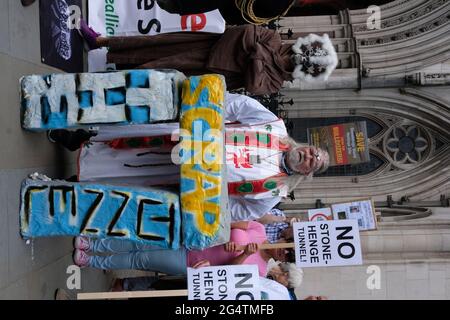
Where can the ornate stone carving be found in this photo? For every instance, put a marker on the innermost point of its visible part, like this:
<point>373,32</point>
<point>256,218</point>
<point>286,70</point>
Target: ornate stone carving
<point>365,71</point>
<point>406,145</point>
<point>409,16</point>
<point>407,34</point>
<point>436,78</point>
<point>383,7</point>
<point>422,78</point>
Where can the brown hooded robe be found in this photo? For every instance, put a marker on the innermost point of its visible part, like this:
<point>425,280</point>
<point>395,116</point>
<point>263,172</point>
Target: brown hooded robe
<point>248,56</point>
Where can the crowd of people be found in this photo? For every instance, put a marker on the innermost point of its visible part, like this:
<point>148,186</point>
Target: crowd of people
<point>249,56</point>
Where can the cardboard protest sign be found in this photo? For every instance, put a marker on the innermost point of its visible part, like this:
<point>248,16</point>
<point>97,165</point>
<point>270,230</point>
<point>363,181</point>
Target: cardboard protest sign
<point>362,211</point>
<point>346,143</point>
<point>139,17</point>
<point>320,214</point>
<point>327,243</point>
<point>237,282</point>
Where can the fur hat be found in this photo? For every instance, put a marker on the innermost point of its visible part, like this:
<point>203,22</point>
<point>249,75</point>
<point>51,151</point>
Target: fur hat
<point>317,58</point>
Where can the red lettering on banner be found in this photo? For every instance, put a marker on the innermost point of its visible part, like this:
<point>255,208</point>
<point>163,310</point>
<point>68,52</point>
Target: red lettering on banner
<point>339,145</point>
<point>198,22</point>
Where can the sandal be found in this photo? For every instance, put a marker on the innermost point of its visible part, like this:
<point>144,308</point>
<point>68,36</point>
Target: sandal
<point>89,35</point>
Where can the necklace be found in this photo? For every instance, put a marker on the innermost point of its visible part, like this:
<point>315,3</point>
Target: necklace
<point>281,164</point>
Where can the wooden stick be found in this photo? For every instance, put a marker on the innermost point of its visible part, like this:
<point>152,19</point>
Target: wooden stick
<point>281,245</point>
<point>131,294</point>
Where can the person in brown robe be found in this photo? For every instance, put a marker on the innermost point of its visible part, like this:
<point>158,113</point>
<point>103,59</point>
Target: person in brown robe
<point>248,56</point>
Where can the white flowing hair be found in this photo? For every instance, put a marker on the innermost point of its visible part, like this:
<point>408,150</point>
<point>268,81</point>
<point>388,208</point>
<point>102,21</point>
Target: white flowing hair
<point>295,179</point>
<point>295,277</point>
<point>328,60</point>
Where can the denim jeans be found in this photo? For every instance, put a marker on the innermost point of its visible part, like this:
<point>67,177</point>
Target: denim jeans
<point>133,255</point>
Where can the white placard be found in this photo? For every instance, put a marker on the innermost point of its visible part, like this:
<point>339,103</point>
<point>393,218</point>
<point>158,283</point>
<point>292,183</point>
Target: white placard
<point>327,243</point>
<point>142,17</point>
<point>240,282</point>
<point>362,211</point>
<point>322,214</point>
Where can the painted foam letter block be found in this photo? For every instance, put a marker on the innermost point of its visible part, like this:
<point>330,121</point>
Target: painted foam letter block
<point>204,194</point>
<point>59,101</point>
<point>59,208</point>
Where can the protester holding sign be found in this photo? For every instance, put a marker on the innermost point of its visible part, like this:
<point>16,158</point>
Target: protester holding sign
<point>270,289</point>
<point>249,233</point>
<point>259,175</point>
<point>134,255</point>
<point>248,56</point>
<point>286,274</point>
<point>327,243</point>
<point>277,225</point>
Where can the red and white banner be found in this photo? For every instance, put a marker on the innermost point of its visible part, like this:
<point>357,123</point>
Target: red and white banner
<point>142,17</point>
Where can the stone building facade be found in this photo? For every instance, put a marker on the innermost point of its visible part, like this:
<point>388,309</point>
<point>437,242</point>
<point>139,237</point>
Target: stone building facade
<point>396,78</point>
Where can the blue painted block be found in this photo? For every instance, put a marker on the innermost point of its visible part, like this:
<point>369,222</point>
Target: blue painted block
<point>59,208</point>
<point>138,79</point>
<point>60,101</point>
<point>85,99</point>
<point>138,114</point>
<point>115,96</point>
<point>203,187</point>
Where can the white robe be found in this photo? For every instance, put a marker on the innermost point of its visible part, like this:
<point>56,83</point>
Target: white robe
<point>273,290</point>
<point>98,162</point>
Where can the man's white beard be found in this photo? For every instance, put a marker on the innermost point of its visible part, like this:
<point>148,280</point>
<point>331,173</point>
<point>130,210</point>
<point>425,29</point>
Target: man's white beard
<point>294,159</point>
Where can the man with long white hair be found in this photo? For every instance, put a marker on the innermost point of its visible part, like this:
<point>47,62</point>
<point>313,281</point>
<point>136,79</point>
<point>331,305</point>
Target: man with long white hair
<point>263,163</point>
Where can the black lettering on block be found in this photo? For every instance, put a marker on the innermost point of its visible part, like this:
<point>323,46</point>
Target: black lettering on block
<point>117,215</point>
<point>92,209</point>
<point>139,232</point>
<point>64,190</point>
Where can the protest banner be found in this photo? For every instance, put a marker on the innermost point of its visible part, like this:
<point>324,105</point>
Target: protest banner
<point>320,214</point>
<point>237,282</point>
<point>363,211</point>
<point>327,243</point>
<point>138,17</point>
<point>61,46</point>
<point>346,143</point>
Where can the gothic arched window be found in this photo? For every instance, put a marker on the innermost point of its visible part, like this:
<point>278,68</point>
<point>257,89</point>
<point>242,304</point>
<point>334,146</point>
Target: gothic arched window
<point>299,133</point>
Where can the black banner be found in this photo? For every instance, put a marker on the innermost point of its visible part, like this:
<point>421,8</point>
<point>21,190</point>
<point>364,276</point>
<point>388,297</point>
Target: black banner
<point>61,46</point>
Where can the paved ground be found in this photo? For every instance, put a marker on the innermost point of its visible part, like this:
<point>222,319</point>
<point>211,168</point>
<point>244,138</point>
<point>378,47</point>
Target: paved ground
<point>28,271</point>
